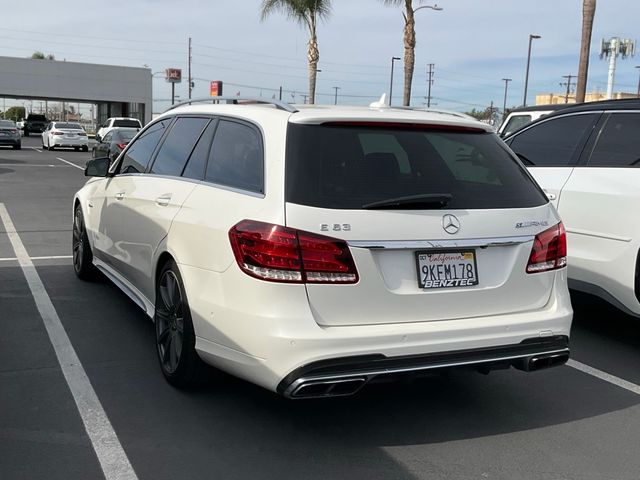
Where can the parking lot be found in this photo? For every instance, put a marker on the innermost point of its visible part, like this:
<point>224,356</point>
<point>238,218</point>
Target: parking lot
<point>579,421</point>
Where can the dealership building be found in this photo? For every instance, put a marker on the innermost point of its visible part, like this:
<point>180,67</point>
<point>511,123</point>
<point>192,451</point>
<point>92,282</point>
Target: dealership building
<point>115,91</point>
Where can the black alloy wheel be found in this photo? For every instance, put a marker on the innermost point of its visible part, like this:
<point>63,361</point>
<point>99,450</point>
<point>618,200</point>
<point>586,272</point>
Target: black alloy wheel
<point>82,256</point>
<point>175,337</point>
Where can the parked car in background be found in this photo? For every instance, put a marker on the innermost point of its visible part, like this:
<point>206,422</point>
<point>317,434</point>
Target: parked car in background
<point>312,249</point>
<point>10,134</point>
<point>519,117</point>
<point>113,142</point>
<point>115,122</point>
<point>587,159</point>
<point>65,134</point>
<point>35,123</point>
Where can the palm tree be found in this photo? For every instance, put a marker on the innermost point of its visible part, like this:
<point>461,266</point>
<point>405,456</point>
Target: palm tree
<point>307,13</point>
<point>588,13</point>
<point>409,42</point>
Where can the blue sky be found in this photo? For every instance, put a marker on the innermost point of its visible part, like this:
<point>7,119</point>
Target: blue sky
<point>473,44</point>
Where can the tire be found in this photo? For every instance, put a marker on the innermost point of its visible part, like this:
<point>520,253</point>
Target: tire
<point>17,147</point>
<point>81,250</point>
<point>51,148</point>
<point>77,149</point>
<point>85,148</point>
<point>26,132</point>
<point>44,147</point>
<point>175,337</point>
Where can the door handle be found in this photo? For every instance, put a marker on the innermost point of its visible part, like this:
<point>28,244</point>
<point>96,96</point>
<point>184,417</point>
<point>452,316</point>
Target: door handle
<point>550,196</point>
<point>164,200</point>
<point>119,195</point>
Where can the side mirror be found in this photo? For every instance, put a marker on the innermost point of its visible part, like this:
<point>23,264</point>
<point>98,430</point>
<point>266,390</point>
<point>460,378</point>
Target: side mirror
<point>97,167</point>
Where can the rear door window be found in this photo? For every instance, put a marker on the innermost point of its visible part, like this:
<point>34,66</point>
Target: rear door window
<point>618,144</point>
<point>350,166</point>
<point>176,148</point>
<point>554,143</point>
<point>236,158</point>
<point>139,152</point>
<point>515,123</point>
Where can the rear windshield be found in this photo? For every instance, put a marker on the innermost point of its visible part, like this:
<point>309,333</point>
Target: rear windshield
<point>7,123</point>
<point>127,135</point>
<point>348,167</point>
<point>126,123</point>
<point>70,126</point>
<point>37,118</point>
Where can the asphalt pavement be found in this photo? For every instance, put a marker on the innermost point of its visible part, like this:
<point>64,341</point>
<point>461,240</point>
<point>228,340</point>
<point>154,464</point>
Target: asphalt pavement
<point>572,422</point>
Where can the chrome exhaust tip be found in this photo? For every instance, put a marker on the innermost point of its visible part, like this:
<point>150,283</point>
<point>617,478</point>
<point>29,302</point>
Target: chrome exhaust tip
<point>540,362</point>
<point>328,388</point>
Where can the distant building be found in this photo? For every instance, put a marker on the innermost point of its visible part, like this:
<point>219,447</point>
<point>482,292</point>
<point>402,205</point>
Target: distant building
<point>554,98</point>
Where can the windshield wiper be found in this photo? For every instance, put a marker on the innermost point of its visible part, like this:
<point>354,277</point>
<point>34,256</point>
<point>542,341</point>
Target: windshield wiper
<point>424,201</point>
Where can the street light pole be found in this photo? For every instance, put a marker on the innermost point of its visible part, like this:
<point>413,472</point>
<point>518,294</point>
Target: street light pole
<point>638,94</point>
<point>526,77</point>
<point>504,105</point>
<point>393,59</point>
<point>335,101</point>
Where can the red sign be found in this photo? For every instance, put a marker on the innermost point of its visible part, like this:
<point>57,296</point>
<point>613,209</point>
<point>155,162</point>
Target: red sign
<point>173,75</point>
<point>216,88</point>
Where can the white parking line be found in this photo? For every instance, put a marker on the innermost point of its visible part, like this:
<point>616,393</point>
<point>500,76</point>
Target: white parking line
<point>112,457</point>
<point>618,382</point>
<point>72,164</point>
<point>50,257</point>
<point>36,149</point>
<point>32,165</point>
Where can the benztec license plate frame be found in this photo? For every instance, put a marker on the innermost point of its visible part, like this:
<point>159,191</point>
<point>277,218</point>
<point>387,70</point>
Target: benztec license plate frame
<point>451,262</point>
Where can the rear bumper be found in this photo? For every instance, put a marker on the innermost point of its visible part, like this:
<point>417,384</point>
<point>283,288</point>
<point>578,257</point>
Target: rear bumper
<point>345,376</point>
<point>266,332</point>
<point>67,142</point>
<point>10,141</point>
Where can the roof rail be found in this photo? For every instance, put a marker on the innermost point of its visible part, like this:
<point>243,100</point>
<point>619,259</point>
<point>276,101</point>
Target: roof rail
<point>236,100</point>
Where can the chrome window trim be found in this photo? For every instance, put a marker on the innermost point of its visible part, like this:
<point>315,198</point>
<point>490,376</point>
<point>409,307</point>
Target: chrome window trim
<point>448,243</point>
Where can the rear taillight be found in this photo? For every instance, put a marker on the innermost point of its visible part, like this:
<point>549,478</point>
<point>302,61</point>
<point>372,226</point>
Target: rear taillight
<point>57,133</point>
<point>549,251</point>
<point>121,145</point>
<point>82,134</point>
<point>282,254</point>
<point>13,130</point>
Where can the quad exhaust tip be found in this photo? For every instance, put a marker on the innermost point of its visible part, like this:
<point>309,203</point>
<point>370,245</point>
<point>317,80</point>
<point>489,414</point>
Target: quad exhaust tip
<point>539,362</point>
<point>329,388</point>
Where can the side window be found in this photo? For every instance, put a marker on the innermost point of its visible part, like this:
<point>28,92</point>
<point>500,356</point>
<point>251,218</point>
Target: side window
<point>515,123</point>
<point>139,152</point>
<point>175,150</point>
<point>618,144</point>
<point>107,137</point>
<point>198,159</point>
<point>553,143</point>
<point>236,157</point>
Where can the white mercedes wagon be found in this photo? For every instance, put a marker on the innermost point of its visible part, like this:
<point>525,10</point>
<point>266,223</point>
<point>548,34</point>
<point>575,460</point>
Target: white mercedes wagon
<point>312,249</point>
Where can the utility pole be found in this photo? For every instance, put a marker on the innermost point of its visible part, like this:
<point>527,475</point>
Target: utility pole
<point>304,98</point>
<point>567,84</point>
<point>190,78</point>
<point>393,59</point>
<point>280,94</point>
<point>429,83</point>
<point>491,109</point>
<point>504,105</point>
<point>335,102</point>
<point>638,95</point>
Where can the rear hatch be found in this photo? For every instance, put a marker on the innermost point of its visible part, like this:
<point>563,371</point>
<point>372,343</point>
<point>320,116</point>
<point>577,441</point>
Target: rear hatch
<point>440,220</point>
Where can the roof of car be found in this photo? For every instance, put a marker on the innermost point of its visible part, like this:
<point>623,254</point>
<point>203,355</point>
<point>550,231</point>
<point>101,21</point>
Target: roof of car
<point>542,108</point>
<point>623,104</point>
<point>316,114</point>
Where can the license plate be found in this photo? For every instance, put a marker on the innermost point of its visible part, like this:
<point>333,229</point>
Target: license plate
<point>3,133</point>
<point>447,269</point>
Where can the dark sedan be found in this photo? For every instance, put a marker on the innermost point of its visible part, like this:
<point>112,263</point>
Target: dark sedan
<point>114,142</point>
<point>9,134</point>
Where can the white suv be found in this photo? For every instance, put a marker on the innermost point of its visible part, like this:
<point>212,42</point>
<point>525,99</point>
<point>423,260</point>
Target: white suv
<point>111,123</point>
<point>586,157</point>
<point>310,249</point>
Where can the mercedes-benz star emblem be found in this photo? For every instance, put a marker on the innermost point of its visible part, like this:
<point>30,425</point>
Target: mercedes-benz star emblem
<point>451,224</point>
